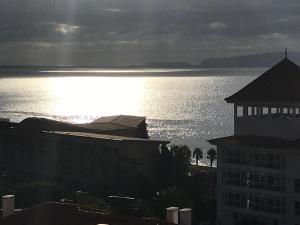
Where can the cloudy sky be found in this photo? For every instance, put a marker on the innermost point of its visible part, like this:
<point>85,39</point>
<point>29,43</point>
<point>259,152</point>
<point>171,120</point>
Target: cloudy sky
<point>122,32</point>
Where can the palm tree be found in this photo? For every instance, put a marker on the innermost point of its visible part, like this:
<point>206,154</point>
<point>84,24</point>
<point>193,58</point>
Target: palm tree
<point>198,154</point>
<point>182,160</point>
<point>212,155</point>
<point>165,151</point>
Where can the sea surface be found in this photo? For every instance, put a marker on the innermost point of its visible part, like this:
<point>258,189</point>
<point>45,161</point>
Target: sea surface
<point>183,106</point>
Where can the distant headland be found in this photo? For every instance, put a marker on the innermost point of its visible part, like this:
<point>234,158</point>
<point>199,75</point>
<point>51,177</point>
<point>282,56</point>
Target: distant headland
<point>248,61</point>
<point>263,60</point>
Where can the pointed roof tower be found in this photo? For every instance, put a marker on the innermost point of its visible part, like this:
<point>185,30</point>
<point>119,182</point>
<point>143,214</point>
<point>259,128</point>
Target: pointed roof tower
<point>285,53</point>
<point>281,83</point>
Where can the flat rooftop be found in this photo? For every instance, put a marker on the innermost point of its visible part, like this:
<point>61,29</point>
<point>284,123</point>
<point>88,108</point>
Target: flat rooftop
<point>257,141</point>
<point>103,136</point>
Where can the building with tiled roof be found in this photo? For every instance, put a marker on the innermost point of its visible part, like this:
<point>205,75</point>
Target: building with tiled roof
<point>97,156</point>
<point>279,84</point>
<point>121,125</point>
<point>258,167</point>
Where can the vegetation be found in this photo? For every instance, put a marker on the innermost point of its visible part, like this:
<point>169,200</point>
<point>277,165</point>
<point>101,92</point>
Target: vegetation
<point>179,184</point>
<point>197,154</point>
<point>212,156</point>
<point>174,165</point>
<point>185,185</point>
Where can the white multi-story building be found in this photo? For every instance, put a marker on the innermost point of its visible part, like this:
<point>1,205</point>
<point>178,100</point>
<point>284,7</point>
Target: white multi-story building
<point>259,167</point>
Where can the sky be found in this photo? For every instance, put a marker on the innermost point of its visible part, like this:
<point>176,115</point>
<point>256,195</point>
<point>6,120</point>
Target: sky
<point>135,32</point>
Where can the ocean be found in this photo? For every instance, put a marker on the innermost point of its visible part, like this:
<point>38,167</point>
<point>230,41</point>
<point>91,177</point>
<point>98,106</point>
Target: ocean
<point>183,106</point>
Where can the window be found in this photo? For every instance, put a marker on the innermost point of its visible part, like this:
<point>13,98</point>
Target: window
<point>265,110</point>
<point>297,208</point>
<point>249,111</point>
<point>255,202</point>
<point>239,111</point>
<point>256,180</point>
<point>273,110</point>
<point>297,185</point>
<point>253,158</point>
<point>255,111</point>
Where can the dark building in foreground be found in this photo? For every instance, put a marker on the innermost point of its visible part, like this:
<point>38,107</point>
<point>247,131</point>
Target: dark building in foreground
<point>258,167</point>
<point>120,125</point>
<point>52,213</point>
<point>53,150</point>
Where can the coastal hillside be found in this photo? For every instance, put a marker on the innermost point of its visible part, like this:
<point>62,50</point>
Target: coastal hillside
<point>256,60</point>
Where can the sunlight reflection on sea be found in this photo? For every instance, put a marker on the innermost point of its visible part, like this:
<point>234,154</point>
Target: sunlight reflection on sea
<point>185,110</point>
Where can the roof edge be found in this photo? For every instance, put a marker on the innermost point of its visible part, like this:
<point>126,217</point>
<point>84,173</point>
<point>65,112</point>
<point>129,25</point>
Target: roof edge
<point>232,98</point>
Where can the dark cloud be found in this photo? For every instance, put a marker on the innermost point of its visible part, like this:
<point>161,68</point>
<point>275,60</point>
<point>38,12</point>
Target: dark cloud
<point>140,31</point>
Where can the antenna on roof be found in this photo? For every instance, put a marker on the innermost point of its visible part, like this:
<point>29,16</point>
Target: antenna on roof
<point>285,53</point>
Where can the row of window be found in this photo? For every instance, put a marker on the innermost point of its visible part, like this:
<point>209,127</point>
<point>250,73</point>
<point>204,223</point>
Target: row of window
<point>255,111</point>
<point>253,158</point>
<point>253,180</point>
<point>256,202</point>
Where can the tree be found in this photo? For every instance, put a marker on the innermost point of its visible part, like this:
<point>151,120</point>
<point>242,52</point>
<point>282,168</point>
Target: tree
<point>182,158</point>
<point>212,156</point>
<point>198,154</point>
<point>181,165</point>
<point>174,165</point>
<point>165,152</point>
<point>181,153</point>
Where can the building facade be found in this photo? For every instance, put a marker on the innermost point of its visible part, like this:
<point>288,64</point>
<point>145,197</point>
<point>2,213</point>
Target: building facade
<point>105,162</point>
<point>258,176</point>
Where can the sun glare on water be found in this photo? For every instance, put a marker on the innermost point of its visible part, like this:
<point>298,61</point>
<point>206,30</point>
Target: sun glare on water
<point>94,97</point>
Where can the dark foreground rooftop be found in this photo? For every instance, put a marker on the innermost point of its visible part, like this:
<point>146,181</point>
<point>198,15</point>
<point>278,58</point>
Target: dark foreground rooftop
<point>258,141</point>
<point>120,120</point>
<point>53,213</point>
<point>120,125</point>
<point>104,137</point>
